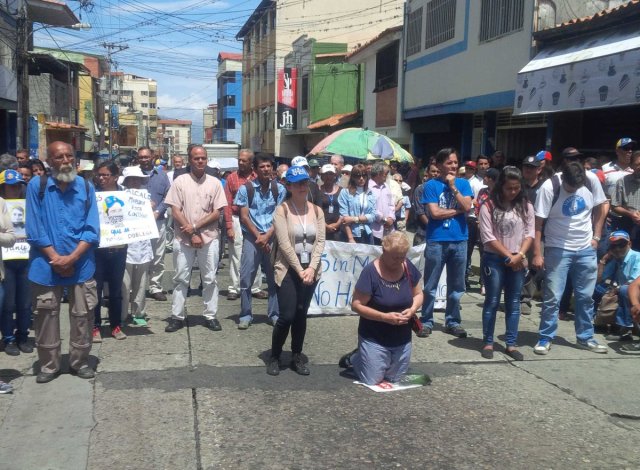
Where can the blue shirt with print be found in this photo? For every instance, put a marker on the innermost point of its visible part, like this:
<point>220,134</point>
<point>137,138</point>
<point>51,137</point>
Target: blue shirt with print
<point>262,207</point>
<point>453,229</point>
<point>61,220</point>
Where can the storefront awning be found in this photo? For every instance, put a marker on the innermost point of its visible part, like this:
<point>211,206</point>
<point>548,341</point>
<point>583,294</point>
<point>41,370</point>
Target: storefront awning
<point>591,72</point>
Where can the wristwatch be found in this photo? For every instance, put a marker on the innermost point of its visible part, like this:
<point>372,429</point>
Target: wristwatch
<point>596,238</point>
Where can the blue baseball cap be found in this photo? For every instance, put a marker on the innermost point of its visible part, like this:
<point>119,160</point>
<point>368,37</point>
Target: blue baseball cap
<point>626,142</point>
<point>296,174</point>
<point>11,177</point>
<point>618,236</point>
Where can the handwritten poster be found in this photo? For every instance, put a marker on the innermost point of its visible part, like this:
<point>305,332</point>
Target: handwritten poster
<point>341,265</point>
<point>125,217</point>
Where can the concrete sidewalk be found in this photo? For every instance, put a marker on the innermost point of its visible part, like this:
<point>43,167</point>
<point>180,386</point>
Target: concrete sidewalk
<point>197,399</point>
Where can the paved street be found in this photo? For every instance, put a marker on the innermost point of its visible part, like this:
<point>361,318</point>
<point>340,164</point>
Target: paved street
<point>196,399</point>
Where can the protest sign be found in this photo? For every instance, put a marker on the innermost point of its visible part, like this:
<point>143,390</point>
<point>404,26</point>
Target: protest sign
<point>341,265</point>
<point>125,217</point>
<point>16,211</point>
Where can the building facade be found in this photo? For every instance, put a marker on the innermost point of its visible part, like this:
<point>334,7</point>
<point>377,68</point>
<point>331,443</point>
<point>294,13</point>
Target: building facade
<point>91,103</point>
<point>266,36</point>
<point>382,84</point>
<point>327,95</point>
<point>230,97</point>
<point>175,135</point>
<point>210,124</point>
<point>462,61</point>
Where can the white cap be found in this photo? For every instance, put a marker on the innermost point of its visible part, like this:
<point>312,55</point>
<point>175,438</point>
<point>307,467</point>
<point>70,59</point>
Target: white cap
<point>347,168</point>
<point>299,161</point>
<point>328,168</point>
<point>214,164</point>
<point>132,172</point>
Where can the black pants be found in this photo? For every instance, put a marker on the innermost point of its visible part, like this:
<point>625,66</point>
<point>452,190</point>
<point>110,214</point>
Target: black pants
<point>110,266</point>
<point>294,298</point>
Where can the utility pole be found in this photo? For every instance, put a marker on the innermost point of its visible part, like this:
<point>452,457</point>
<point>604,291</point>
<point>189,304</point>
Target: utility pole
<point>22,74</point>
<point>111,49</point>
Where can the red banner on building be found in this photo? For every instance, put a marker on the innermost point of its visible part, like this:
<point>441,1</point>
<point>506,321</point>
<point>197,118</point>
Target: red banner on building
<point>287,98</point>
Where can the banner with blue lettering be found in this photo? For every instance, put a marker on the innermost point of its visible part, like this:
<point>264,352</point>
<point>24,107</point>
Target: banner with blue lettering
<point>341,265</point>
<point>125,217</point>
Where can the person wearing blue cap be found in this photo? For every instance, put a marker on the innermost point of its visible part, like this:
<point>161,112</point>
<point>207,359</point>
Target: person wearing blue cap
<point>300,235</point>
<point>615,170</point>
<point>620,265</point>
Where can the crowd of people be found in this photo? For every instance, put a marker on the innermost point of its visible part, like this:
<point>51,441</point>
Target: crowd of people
<point>570,231</point>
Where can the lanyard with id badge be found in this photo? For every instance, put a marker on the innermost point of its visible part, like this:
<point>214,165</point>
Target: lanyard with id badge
<point>305,257</point>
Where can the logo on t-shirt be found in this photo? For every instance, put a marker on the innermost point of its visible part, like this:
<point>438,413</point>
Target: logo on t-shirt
<point>506,228</point>
<point>447,200</point>
<point>573,205</point>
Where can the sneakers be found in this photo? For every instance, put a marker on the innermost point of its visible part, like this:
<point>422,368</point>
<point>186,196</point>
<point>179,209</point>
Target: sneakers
<point>11,348</point>
<point>456,330</point>
<point>139,321</point>
<point>542,347</point>
<point>232,296</point>
<point>425,332</point>
<point>174,325</point>
<point>5,388</point>
<point>159,296</point>
<point>260,295</point>
<point>97,337</point>
<point>273,366</point>
<point>298,364</point>
<point>25,346</point>
<point>632,347</point>
<point>244,325</point>
<point>593,346</point>
<point>345,361</point>
<point>46,377</point>
<point>117,333</point>
<point>213,324</point>
<point>85,372</point>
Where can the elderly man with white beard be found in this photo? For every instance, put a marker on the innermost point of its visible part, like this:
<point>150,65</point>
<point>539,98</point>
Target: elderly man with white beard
<point>63,231</point>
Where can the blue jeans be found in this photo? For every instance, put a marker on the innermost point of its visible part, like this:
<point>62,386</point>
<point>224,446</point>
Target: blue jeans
<point>15,297</point>
<point>374,363</point>
<point>110,267</point>
<point>436,256</point>
<point>251,258</point>
<point>496,277</point>
<point>582,269</point>
<point>623,313</point>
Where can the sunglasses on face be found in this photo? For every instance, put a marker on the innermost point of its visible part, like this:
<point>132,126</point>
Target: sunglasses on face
<point>359,175</point>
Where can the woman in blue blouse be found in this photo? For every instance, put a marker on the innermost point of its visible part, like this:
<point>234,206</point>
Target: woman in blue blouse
<point>357,207</point>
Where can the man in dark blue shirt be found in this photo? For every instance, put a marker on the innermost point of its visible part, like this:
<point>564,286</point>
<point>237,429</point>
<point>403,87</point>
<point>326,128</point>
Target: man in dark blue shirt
<point>63,231</point>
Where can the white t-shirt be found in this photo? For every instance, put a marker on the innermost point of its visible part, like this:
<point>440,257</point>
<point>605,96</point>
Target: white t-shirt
<point>568,224</point>
<point>476,185</point>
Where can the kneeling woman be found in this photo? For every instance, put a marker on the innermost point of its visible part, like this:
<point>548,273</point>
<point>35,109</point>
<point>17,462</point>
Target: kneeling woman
<point>506,223</point>
<point>387,297</point>
<point>300,233</point>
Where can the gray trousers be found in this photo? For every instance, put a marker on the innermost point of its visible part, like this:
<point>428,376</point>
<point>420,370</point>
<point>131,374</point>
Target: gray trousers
<point>47,299</point>
<point>134,286</point>
<point>158,245</point>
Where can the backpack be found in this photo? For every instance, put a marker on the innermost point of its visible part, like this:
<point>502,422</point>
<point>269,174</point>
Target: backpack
<point>251,191</point>
<point>43,186</point>
<point>557,183</point>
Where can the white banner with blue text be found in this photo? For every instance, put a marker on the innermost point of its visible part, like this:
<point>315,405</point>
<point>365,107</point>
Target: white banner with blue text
<point>341,265</point>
